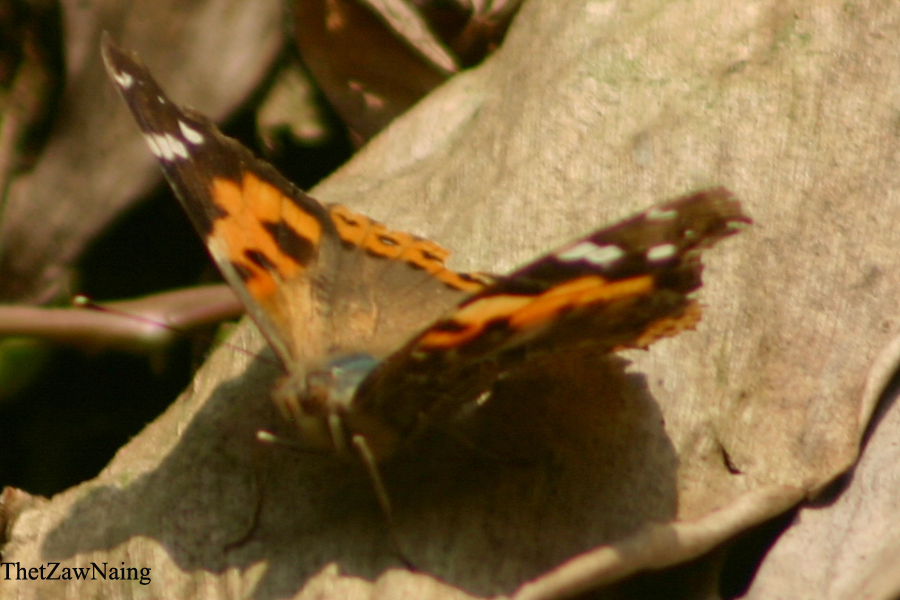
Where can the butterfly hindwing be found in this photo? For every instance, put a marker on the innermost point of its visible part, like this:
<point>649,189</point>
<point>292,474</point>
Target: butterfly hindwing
<point>624,286</point>
<point>611,286</point>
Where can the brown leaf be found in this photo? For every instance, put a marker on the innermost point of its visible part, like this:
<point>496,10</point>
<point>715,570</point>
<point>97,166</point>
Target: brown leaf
<point>588,113</point>
<point>374,59</point>
<point>368,73</point>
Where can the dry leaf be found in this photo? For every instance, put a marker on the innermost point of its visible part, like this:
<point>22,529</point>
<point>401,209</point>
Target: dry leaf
<point>374,59</point>
<point>847,548</point>
<point>588,112</point>
<point>369,74</point>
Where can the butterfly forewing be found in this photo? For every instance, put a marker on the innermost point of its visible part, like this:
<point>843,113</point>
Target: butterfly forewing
<point>322,283</point>
<point>261,230</point>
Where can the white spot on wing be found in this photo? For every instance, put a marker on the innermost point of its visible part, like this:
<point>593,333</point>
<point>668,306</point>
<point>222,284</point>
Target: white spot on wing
<point>125,80</point>
<point>166,147</point>
<point>162,143</point>
<point>178,149</point>
<point>154,147</point>
<point>190,134</point>
<point>592,253</point>
<point>661,252</point>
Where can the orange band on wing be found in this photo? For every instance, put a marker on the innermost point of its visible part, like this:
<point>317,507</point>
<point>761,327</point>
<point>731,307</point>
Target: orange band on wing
<point>455,280</point>
<point>375,238</point>
<point>381,241</point>
<point>248,205</point>
<point>521,312</point>
<point>470,320</point>
<point>351,227</point>
<point>579,292</point>
<point>426,255</point>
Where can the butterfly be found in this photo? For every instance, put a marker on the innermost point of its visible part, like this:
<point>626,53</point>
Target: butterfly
<point>379,340</point>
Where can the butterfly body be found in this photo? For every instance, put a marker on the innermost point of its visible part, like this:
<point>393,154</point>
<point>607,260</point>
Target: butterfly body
<point>378,338</point>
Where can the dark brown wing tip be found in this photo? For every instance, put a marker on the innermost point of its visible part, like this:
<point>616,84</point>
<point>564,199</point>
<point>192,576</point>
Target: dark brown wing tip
<point>726,204</point>
<point>713,214</point>
<point>134,81</point>
<point>118,63</point>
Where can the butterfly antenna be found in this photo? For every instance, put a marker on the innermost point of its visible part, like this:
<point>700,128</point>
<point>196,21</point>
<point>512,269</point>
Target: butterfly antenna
<point>166,315</point>
<point>384,501</point>
<point>82,301</point>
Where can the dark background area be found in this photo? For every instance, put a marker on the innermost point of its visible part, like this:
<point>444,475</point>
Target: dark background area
<point>81,408</point>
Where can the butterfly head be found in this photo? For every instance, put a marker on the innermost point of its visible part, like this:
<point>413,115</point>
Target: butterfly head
<point>319,404</point>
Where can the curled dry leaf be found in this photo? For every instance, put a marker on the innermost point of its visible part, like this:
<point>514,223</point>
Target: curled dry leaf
<point>471,30</point>
<point>374,59</point>
<point>657,546</point>
<point>848,547</point>
<point>369,75</point>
